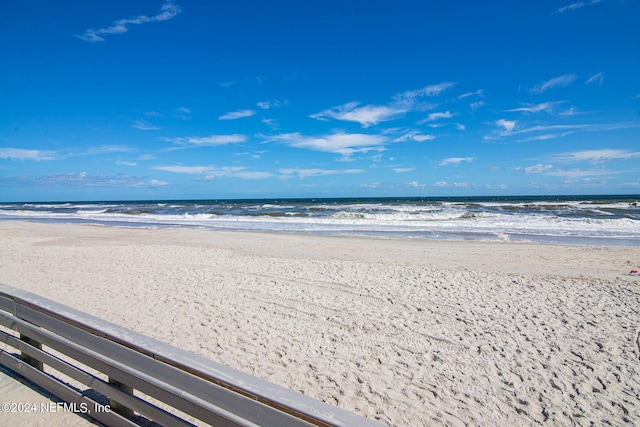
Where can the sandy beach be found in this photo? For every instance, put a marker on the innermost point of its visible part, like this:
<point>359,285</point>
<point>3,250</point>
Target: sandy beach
<point>406,332</point>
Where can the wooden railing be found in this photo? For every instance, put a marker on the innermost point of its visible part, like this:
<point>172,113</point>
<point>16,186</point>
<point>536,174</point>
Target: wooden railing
<point>123,374</point>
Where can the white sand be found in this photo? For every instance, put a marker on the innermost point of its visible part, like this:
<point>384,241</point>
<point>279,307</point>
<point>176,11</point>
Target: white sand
<point>407,332</point>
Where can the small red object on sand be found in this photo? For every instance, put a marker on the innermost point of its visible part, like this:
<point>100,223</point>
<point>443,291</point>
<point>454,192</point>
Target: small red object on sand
<point>633,272</point>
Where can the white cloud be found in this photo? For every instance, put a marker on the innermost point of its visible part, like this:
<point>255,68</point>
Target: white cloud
<point>536,108</point>
<point>373,185</point>
<point>423,138</point>
<point>455,161</point>
<point>272,123</point>
<point>476,105</point>
<point>167,11</point>
<point>560,81</point>
<point>403,170</point>
<point>580,173</point>
<point>184,169</point>
<point>479,92</point>
<point>598,155</point>
<point>415,136</point>
<point>366,115</point>
<point>236,172</point>
<point>571,111</point>
<point>107,149</point>
<point>157,183</point>
<point>345,144</point>
<point>211,140</point>
<point>539,168</point>
<point>182,113</point>
<point>25,154</point>
<point>596,78</point>
<point>437,116</point>
<point>144,125</point>
<point>431,90</point>
<point>305,173</point>
<point>415,184</point>
<point>508,128</point>
<point>212,172</point>
<point>84,179</point>
<point>237,115</point>
<point>577,5</point>
<point>546,136</point>
<point>265,105</point>
<point>123,163</point>
<point>507,125</point>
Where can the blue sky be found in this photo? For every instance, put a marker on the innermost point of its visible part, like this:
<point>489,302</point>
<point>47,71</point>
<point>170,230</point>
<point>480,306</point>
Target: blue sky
<point>116,100</point>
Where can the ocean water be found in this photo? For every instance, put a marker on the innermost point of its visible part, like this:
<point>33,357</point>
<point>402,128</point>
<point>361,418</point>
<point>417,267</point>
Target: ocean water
<point>590,220</point>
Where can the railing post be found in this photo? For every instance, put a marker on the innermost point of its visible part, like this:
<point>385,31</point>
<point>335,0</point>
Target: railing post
<point>28,359</point>
<point>117,406</point>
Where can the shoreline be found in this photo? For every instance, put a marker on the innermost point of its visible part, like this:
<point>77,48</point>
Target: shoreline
<point>408,332</point>
<point>430,236</point>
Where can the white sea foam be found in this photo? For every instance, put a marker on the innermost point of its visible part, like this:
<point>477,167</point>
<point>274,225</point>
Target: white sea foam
<point>530,220</point>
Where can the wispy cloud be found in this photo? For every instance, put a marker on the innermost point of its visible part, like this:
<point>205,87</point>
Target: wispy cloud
<point>455,161</point>
<point>26,154</point>
<point>272,123</point>
<point>182,113</point>
<point>125,163</point>
<point>479,92</point>
<point>366,115</point>
<point>302,173</point>
<point>510,128</point>
<point>403,170</point>
<point>167,11</point>
<point>342,143</point>
<point>598,155</point>
<point>212,140</point>
<point>84,179</point>
<point>213,172</point>
<point>445,184</point>
<point>236,172</point>
<point>144,125</point>
<point>577,5</point>
<point>234,115</point>
<point>184,169</point>
<point>369,115</point>
<point>430,90</point>
<point>415,184</point>
<point>559,81</point>
<point>536,108</point>
<point>551,170</point>
<point>596,78</point>
<point>546,136</point>
<point>581,173</point>
<point>535,169</point>
<point>437,116</point>
<point>265,105</point>
<point>506,126</point>
<point>569,112</point>
<point>109,149</point>
<point>414,136</point>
